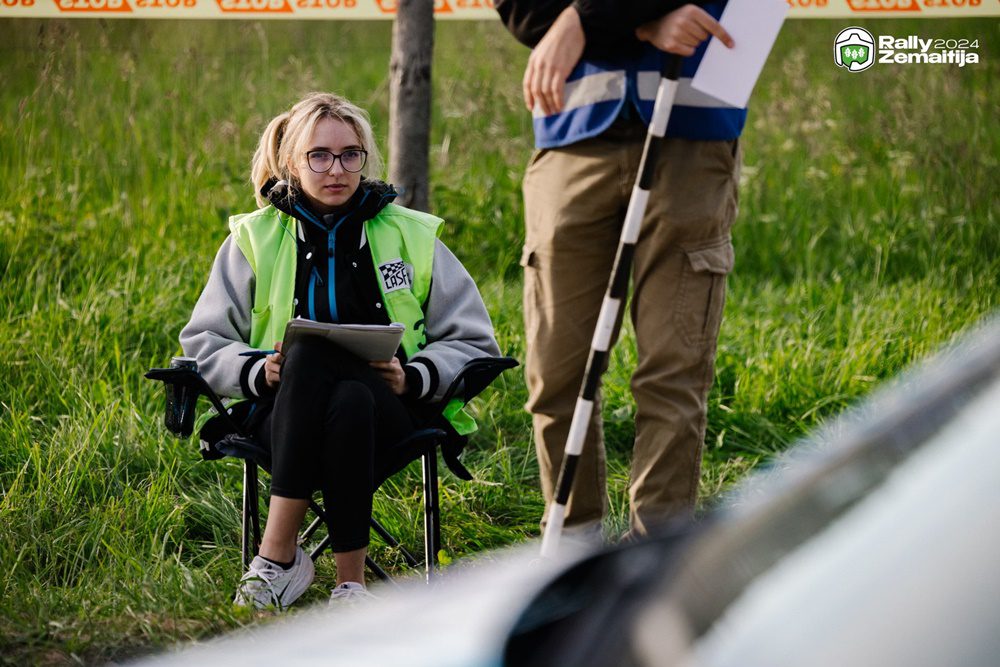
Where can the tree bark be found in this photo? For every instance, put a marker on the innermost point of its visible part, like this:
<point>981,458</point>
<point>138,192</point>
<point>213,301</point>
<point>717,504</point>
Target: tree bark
<point>410,101</point>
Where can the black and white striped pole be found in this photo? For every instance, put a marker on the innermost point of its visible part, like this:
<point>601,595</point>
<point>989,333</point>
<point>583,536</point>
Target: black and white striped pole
<point>614,301</point>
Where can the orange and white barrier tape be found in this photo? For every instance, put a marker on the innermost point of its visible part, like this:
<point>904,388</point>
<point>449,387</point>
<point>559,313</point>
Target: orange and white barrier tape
<point>444,9</point>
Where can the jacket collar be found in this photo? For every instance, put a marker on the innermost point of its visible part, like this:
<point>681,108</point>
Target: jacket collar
<point>370,198</point>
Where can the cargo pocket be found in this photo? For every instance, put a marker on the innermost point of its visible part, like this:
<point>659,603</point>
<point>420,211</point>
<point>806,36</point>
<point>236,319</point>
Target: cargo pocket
<point>703,292</point>
<point>535,158</point>
<point>532,301</point>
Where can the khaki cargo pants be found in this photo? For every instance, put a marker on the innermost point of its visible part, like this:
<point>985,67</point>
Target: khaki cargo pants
<point>575,200</point>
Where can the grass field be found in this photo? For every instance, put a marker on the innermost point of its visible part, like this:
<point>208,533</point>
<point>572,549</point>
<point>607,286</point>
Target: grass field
<point>868,237</point>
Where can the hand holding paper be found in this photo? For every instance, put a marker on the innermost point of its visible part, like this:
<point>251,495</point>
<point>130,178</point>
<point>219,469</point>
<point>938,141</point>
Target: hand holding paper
<point>392,372</point>
<point>727,74</point>
<point>681,31</point>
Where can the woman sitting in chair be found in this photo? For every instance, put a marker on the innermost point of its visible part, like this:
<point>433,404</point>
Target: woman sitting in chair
<point>328,245</point>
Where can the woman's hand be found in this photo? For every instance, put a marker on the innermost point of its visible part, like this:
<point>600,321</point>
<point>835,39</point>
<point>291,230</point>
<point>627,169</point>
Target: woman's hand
<point>392,372</point>
<point>272,366</point>
<point>682,30</point>
<point>551,61</point>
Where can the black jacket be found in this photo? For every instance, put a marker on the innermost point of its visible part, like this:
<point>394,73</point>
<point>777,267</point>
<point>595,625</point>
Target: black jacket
<point>332,248</point>
<point>609,25</point>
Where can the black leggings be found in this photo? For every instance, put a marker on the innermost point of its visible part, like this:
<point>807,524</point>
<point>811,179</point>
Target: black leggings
<point>337,427</point>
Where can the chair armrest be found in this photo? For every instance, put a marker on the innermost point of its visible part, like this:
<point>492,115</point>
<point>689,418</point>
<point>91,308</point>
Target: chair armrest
<point>476,375</point>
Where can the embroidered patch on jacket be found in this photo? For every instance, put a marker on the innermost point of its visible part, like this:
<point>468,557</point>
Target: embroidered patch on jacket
<point>396,275</point>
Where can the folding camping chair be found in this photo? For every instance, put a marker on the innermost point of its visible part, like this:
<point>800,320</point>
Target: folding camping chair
<point>183,384</point>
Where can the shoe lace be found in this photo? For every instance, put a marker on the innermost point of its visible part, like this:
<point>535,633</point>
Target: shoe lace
<point>262,578</point>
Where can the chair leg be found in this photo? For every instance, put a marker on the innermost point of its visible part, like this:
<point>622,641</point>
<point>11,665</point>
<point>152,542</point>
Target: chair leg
<point>251,513</point>
<point>432,517</point>
<point>381,531</point>
<point>377,569</point>
<point>317,522</point>
<point>376,526</point>
<point>372,565</point>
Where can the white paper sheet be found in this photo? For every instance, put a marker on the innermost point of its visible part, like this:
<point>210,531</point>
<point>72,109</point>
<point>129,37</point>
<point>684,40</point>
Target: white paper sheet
<point>372,342</point>
<point>727,74</point>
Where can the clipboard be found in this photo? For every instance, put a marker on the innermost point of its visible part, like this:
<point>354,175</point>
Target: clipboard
<point>371,342</point>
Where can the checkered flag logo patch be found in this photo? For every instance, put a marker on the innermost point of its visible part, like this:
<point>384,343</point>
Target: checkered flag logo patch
<point>395,275</point>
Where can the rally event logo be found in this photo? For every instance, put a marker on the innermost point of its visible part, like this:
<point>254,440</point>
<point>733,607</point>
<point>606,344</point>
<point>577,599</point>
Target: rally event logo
<point>855,49</point>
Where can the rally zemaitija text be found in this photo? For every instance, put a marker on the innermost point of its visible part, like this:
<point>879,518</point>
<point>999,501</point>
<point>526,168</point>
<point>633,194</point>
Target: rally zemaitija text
<point>913,49</point>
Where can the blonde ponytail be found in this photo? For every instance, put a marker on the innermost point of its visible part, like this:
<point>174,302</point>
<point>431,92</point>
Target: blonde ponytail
<point>266,160</point>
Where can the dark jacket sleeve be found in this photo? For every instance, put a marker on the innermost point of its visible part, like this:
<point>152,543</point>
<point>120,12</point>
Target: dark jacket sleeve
<point>609,25</point>
<point>529,21</point>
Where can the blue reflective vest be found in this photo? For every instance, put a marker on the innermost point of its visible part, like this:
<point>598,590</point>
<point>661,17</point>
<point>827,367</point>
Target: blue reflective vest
<point>598,90</point>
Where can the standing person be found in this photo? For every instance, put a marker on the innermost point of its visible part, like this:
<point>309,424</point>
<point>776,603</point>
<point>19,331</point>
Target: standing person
<point>590,83</point>
<point>329,245</point>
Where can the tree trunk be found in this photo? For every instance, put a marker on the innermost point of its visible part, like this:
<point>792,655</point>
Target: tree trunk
<point>410,101</point>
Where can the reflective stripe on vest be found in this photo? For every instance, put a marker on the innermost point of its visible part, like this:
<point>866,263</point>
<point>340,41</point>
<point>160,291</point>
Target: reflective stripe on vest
<point>596,91</point>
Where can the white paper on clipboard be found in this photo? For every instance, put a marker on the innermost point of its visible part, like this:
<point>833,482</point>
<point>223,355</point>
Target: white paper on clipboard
<point>727,74</point>
<point>371,342</point>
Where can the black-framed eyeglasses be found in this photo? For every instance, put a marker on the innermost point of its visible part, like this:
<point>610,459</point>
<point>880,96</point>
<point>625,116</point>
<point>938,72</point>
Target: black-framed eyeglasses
<point>352,160</point>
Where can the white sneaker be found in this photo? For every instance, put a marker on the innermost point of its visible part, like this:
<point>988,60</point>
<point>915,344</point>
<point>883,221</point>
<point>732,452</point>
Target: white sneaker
<point>350,593</point>
<point>267,585</point>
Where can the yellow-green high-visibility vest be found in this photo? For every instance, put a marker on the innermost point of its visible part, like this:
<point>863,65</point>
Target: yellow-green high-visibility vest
<point>402,246</point>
